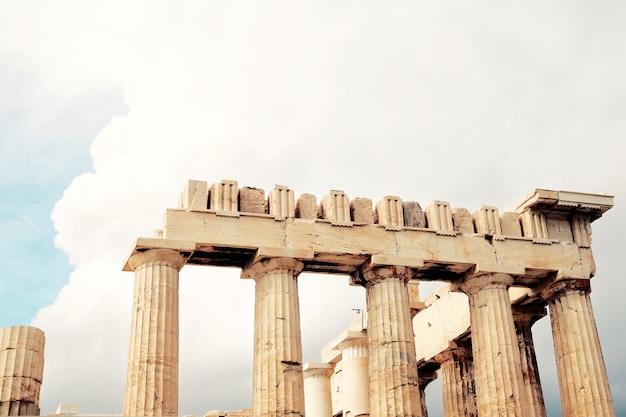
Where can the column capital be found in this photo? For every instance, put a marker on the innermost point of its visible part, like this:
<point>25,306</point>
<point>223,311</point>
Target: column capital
<point>317,369</point>
<point>556,289</point>
<point>170,256</point>
<point>370,273</point>
<point>527,315</point>
<point>262,267</point>
<point>473,283</point>
<point>453,353</point>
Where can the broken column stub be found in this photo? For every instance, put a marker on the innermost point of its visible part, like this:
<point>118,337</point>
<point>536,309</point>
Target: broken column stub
<point>21,370</point>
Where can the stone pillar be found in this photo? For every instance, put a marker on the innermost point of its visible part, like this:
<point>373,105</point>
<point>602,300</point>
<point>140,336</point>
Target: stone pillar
<point>425,376</point>
<point>394,389</point>
<point>355,383</point>
<point>152,373</point>
<point>580,366</point>
<point>524,317</point>
<point>497,366</point>
<point>317,395</point>
<point>277,381</point>
<point>21,370</point>
<point>457,382</point>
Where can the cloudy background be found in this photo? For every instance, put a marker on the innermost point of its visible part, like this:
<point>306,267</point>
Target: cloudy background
<point>107,108</point>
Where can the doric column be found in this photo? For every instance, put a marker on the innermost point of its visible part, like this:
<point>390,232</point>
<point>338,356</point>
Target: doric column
<point>457,382</point>
<point>394,389</point>
<point>355,382</point>
<point>582,374</point>
<point>425,375</point>
<point>277,381</point>
<point>21,370</point>
<point>317,395</point>
<point>524,317</point>
<point>152,373</point>
<point>497,366</point>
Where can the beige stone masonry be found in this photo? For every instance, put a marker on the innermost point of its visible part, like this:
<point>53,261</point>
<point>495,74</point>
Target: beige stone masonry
<point>497,367</point>
<point>487,220</point>
<point>462,220</point>
<point>389,212</point>
<point>273,246</point>
<point>152,373</point>
<point>336,207</point>
<point>510,224</point>
<point>581,370</point>
<point>282,202</point>
<point>355,366</point>
<point>524,317</point>
<point>439,218</point>
<point>195,196</point>
<point>317,395</point>
<point>306,207</point>
<point>392,365</point>
<point>278,387</point>
<point>224,196</point>
<point>361,210</point>
<point>457,382</point>
<point>425,375</point>
<point>252,200</point>
<point>21,370</point>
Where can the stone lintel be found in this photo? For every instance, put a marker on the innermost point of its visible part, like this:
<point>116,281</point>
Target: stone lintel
<point>144,244</point>
<point>216,240</point>
<point>382,260</point>
<point>315,366</point>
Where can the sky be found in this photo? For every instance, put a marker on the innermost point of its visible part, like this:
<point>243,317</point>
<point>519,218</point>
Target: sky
<point>108,108</point>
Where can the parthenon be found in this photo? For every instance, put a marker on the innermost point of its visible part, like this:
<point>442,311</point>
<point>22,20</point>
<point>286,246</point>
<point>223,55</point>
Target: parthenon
<point>509,266</point>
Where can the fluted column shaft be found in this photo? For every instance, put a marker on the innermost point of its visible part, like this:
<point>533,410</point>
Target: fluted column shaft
<point>394,389</point>
<point>21,370</point>
<point>497,366</point>
<point>152,373</point>
<point>457,382</point>
<point>317,395</point>
<point>524,320</point>
<point>581,370</point>
<point>354,367</point>
<point>278,388</point>
<point>425,377</point>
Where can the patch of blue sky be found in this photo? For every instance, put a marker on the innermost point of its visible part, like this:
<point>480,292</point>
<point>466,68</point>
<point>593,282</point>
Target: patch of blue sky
<point>43,146</point>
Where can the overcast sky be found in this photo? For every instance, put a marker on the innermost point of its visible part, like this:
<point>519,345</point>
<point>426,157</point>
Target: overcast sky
<point>107,108</point>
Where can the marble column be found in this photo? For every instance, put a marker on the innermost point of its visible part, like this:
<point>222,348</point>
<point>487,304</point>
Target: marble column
<point>278,388</point>
<point>580,365</point>
<point>524,317</point>
<point>152,373</point>
<point>355,382</point>
<point>457,382</point>
<point>317,395</point>
<point>425,376</point>
<point>21,370</point>
<point>394,389</point>
<point>497,365</point>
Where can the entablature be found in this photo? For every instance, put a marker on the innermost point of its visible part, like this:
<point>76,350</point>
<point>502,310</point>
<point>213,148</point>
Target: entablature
<point>544,235</point>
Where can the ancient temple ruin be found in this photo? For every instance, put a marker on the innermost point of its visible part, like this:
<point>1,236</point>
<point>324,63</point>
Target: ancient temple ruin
<point>510,266</point>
